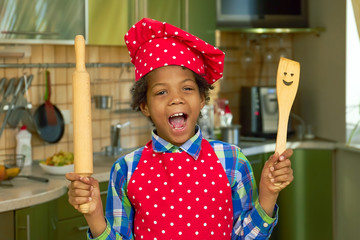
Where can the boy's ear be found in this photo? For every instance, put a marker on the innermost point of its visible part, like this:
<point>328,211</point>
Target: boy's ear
<point>202,101</point>
<point>145,109</point>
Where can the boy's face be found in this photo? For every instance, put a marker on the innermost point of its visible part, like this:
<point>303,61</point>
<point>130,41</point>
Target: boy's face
<point>173,103</point>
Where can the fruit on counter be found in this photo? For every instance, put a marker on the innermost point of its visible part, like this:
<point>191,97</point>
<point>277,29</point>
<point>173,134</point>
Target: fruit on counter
<point>12,172</point>
<point>3,175</point>
<point>60,159</point>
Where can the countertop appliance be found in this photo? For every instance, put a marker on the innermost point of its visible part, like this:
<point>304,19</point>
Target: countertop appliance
<point>259,112</point>
<point>262,13</point>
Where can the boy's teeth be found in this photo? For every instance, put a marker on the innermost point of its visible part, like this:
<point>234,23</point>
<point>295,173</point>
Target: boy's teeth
<point>177,114</point>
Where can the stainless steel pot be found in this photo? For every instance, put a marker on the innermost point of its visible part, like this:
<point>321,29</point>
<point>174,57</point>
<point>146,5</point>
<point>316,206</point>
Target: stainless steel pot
<point>103,102</point>
<point>231,134</point>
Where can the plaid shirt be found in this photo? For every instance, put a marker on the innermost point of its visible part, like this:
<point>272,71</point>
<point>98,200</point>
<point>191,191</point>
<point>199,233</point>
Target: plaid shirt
<point>250,220</point>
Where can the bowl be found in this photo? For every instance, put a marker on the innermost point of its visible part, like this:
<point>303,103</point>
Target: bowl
<point>57,170</point>
<point>10,166</point>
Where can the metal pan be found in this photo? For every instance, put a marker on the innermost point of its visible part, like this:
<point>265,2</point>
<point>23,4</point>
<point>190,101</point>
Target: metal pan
<point>49,132</point>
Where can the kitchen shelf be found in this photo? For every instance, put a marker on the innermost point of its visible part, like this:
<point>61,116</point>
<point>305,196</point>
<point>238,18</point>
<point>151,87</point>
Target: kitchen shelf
<point>316,30</point>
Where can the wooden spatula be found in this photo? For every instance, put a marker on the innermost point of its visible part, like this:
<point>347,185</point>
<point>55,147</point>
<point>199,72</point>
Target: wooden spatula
<point>287,83</point>
<point>83,149</point>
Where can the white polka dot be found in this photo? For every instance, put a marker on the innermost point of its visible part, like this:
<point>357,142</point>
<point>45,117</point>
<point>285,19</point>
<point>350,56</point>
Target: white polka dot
<point>188,175</point>
<point>196,233</point>
<point>197,199</point>
<point>213,183</point>
<point>158,175</point>
<point>143,174</point>
<point>188,224</point>
<point>165,183</point>
<point>171,224</point>
<point>180,183</point>
<point>180,233</point>
<point>156,189</point>
<point>180,199</point>
<point>212,233</point>
<point>189,191</point>
<point>165,50</point>
<point>133,181</point>
<point>205,190</point>
<point>140,188</point>
<point>171,159</point>
<point>176,33</point>
<point>179,167</point>
<point>204,175</point>
<point>205,224</point>
<point>195,168</point>
<point>157,45</point>
<point>163,231</point>
<point>205,207</point>
<point>147,196</point>
<point>220,208</point>
<point>134,42</point>
<point>147,213</point>
<point>171,207</point>
<point>180,216</point>
<point>171,174</point>
<point>157,59</point>
<point>155,205</point>
<point>213,199</point>
<point>212,216</point>
<point>155,222</point>
<point>174,57</point>
<point>181,52</point>
<point>163,198</point>
<point>197,183</point>
<point>197,215</point>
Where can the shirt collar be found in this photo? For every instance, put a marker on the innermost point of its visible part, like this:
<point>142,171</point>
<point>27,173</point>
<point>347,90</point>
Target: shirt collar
<point>191,146</point>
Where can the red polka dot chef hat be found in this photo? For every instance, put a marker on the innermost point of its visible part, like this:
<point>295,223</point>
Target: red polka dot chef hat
<point>153,44</point>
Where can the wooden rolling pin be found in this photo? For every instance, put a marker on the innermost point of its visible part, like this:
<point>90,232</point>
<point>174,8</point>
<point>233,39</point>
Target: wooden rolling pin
<point>83,148</point>
<point>287,83</point>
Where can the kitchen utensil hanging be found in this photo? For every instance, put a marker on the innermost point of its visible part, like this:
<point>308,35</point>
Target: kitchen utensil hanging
<point>11,104</point>
<point>48,118</point>
<point>21,103</point>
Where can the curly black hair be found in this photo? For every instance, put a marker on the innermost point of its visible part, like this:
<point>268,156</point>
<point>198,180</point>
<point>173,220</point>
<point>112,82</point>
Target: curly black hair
<point>139,89</point>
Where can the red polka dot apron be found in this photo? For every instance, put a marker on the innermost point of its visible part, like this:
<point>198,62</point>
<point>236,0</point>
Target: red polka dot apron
<point>177,197</point>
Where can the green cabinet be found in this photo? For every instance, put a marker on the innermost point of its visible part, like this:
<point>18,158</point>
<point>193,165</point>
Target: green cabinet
<point>32,223</point>
<point>306,206</point>
<point>108,21</point>
<point>55,220</point>
<point>185,14</point>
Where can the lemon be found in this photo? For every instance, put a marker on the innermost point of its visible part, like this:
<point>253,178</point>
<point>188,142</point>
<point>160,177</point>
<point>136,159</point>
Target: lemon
<point>12,172</point>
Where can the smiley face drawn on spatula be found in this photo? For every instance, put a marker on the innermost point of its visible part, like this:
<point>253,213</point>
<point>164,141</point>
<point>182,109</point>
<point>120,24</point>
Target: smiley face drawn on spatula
<point>288,83</point>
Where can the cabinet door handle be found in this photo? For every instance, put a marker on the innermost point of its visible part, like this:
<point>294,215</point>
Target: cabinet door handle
<point>28,227</point>
<point>82,228</point>
<point>30,33</point>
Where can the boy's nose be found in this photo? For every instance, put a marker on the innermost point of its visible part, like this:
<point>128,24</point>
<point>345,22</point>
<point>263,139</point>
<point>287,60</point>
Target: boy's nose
<point>176,100</point>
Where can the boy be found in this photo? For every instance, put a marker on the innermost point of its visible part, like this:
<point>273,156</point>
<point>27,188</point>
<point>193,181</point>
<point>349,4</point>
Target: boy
<point>180,186</point>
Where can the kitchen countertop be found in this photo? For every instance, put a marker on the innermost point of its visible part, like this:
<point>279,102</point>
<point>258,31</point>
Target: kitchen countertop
<point>22,192</point>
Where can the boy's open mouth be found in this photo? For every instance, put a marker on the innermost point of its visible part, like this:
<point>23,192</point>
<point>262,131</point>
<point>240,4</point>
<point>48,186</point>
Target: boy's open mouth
<point>178,120</point>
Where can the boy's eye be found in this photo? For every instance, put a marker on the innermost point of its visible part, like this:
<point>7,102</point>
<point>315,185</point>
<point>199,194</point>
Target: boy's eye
<point>160,92</point>
<point>188,88</point>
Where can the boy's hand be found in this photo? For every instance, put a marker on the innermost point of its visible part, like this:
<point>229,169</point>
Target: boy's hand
<point>277,173</point>
<point>83,190</point>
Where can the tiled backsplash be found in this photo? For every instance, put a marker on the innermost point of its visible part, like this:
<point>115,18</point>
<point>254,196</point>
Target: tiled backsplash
<point>117,82</point>
<point>105,81</point>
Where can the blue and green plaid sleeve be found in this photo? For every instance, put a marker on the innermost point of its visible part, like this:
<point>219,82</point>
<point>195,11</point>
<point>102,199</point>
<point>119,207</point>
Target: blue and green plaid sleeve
<point>250,220</point>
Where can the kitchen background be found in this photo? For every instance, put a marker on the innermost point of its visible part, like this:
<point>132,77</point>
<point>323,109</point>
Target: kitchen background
<point>321,100</point>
